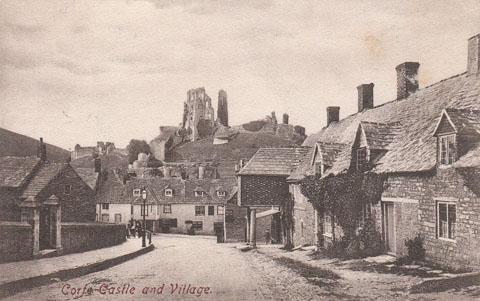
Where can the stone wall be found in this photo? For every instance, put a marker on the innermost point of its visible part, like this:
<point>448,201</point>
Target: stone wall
<point>78,237</point>
<point>236,224</point>
<point>447,185</point>
<point>304,218</point>
<point>9,210</point>
<point>16,241</point>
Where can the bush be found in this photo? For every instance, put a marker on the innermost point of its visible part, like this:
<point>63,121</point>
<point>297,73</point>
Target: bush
<point>416,251</point>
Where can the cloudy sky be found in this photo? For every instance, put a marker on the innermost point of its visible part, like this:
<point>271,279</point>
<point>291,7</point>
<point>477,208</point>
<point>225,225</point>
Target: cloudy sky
<point>82,71</point>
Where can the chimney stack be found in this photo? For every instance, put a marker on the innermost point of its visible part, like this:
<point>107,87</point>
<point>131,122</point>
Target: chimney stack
<point>407,82</point>
<point>42,150</point>
<point>333,114</point>
<point>98,165</point>
<point>201,172</point>
<point>473,66</point>
<point>365,97</point>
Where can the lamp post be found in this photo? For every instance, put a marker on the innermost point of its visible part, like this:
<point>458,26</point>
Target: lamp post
<point>144,197</point>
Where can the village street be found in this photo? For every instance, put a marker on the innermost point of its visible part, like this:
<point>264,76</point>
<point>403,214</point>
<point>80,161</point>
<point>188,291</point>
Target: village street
<point>228,273</point>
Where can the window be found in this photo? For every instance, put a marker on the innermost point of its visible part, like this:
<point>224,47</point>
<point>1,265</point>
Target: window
<point>361,158</point>
<point>105,206</point>
<point>220,210</point>
<point>67,189</point>
<point>131,209</point>
<point>118,218</point>
<point>199,193</point>
<point>221,193</point>
<point>136,192</point>
<point>168,192</point>
<point>197,225</point>
<point>105,217</point>
<point>211,210</point>
<point>167,208</point>
<point>229,216</point>
<point>446,220</point>
<point>141,210</point>
<point>327,224</point>
<point>173,222</point>
<point>199,210</point>
<point>447,149</point>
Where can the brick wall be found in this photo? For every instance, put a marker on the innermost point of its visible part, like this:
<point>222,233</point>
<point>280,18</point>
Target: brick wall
<point>79,205</point>
<point>428,189</point>
<point>78,237</point>
<point>263,190</point>
<point>235,227</point>
<point>16,241</point>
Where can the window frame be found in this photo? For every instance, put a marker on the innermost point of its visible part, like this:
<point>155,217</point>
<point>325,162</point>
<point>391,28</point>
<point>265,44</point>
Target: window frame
<point>105,206</point>
<point>450,154</point>
<point>221,193</point>
<point>67,191</point>
<point>195,225</point>
<point>141,210</point>
<point>168,192</point>
<point>437,222</point>
<point>169,206</point>
<point>136,192</point>
<point>199,193</point>
<point>115,217</point>
<point>212,210</point>
<point>361,166</point>
<point>199,212</point>
<point>108,217</point>
<point>327,223</point>
<point>222,211</point>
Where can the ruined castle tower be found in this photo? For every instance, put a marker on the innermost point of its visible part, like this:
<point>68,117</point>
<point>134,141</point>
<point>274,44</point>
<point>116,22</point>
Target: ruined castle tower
<point>198,114</point>
<point>222,111</point>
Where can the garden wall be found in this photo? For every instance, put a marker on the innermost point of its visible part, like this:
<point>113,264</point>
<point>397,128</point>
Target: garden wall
<point>16,241</point>
<point>78,237</point>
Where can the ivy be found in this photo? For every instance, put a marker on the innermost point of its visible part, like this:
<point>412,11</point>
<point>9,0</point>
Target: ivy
<point>344,196</point>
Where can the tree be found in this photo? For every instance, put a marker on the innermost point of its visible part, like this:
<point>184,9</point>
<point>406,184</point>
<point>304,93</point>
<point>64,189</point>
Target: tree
<point>135,147</point>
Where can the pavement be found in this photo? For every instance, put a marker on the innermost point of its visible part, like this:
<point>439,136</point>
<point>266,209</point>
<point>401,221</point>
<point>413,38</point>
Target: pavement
<point>20,275</point>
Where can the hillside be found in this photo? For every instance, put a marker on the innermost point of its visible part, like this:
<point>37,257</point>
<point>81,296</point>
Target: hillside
<point>14,144</point>
<point>242,146</point>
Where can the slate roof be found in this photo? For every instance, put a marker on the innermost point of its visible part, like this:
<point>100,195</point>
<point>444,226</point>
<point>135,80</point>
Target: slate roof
<point>14,171</point>
<point>466,122</point>
<point>274,161</point>
<point>88,175</point>
<point>380,135</point>
<point>110,189</point>
<point>414,148</point>
<point>42,178</point>
<point>470,159</point>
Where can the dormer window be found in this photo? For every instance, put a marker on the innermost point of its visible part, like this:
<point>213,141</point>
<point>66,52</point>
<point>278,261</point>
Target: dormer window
<point>447,150</point>
<point>200,193</point>
<point>362,158</point>
<point>136,192</point>
<point>168,192</point>
<point>221,193</point>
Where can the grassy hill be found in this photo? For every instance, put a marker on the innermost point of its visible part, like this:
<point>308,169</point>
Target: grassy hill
<point>242,146</point>
<point>14,144</point>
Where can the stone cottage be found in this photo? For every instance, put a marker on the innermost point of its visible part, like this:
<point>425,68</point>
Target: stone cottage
<point>426,144</point>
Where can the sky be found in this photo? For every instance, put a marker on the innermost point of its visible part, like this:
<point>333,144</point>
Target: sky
<point>86,71</point>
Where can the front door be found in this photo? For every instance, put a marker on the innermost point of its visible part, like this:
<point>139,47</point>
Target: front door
<point>389,227</point>
<point>45,228</point>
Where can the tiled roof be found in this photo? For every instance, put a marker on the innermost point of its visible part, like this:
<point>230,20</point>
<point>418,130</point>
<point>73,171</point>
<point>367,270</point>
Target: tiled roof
<point>414,148</point>
<point>305,168</point>
<point>88,175</point>
<point>466,122</point>
<point>110,189</point>
<point>274,161</point>
<point>380,135</point>
<point>42,178</point>
<point>15,170</point>
<point>470,159</point>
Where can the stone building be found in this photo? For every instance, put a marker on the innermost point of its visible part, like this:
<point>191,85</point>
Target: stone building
<point>198,115</point>
<point>426,144</point>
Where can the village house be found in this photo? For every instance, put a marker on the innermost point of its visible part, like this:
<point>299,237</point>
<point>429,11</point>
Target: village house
<point>263,189</point>
<point>426,144</point>
<point>174,204</point>
<point>41,203</point>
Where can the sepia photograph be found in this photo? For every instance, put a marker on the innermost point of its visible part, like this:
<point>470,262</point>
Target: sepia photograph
<point>239,150</point>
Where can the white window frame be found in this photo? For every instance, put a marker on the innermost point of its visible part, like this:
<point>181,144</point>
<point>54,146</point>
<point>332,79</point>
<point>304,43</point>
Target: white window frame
<point>199,214</point>
<point>448,152</point>
<point>199,193</point>
<point>115,217</point>
<point>105,206</point>
<point>361,166</point>
<point>220,210</point>
<point>329,223</point>
<point>447,204</point>
<point>136,192</point>
<point>168,192</point>
<point>107,219</point>
<point>221,193</point>
<point>169,206</point>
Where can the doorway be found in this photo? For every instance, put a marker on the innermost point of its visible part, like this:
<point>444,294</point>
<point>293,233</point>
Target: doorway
<point>47,229</point>
<point>389,227</point>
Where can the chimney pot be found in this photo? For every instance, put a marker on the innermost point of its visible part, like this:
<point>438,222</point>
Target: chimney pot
<point>98,165</point>
<point>333,114</point>
<point>285,118</point>
<point>407,82</point>
<point>473,66</point>
<point>365,96</point>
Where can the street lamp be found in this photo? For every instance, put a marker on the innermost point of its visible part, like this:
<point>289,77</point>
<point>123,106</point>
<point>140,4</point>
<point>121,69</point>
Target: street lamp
<point>144,197</point>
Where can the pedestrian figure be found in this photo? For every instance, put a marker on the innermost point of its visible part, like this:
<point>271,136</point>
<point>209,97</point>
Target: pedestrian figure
<point>268,237</point>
